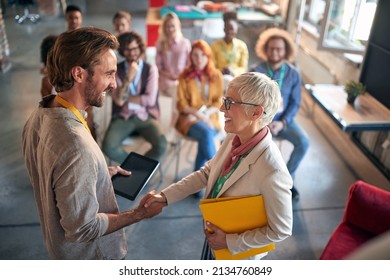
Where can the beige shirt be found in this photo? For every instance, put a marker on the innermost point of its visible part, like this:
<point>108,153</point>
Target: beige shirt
<point>72,186</point>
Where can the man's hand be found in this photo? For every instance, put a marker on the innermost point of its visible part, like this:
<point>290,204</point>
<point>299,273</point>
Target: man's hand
<point>275,127</point>
<point>113,170</point>
<point>215,237</point>
<point>132,71</point>
<point>123,219</point>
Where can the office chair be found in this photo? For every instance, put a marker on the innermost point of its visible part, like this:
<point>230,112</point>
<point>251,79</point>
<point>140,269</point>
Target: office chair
<point>26,12</point>
<point>366,216</point>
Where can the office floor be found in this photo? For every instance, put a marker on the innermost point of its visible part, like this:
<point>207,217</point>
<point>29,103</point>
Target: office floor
<point>322,179</point>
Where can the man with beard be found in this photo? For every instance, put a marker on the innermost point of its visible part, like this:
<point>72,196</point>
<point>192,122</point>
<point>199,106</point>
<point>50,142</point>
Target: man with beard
<point>74,20</point>
<point>135,106</point>
<point>73,17</point>
<point>79,215</point>
<point>276,50</point>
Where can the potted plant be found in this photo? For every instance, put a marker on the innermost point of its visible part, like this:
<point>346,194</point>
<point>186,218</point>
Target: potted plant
<point>353,90</point>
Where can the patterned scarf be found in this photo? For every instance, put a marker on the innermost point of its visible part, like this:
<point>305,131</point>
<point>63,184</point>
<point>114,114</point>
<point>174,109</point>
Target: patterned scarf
<point>239,149</point>
<point>196,73</point>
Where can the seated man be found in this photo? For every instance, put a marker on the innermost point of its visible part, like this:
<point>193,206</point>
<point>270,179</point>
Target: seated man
<point>73,17</point>
<point>276,48</point>
<point>230,54</point>
<point>135,106</point>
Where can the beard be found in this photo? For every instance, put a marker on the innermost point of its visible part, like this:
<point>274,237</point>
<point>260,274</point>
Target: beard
<point>275,60</point>
<point>92,96</point>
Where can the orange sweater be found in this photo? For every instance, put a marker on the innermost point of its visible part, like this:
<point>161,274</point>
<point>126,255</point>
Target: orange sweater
<point>190,95</point>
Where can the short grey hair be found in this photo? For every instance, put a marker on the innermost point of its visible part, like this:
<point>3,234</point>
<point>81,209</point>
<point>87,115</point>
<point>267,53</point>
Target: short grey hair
<point>257,88</point>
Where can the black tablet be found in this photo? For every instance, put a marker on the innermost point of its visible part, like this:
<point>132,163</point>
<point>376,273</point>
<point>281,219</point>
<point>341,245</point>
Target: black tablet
<point>142,169</point>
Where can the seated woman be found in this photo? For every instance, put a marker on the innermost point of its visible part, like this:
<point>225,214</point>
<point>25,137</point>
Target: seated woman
<point>121,22</point>
<point>199,97</point>
<point>172,55</point>
<point>230,54</point>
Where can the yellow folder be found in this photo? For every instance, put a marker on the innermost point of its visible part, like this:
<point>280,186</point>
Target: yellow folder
<point>236,215</point>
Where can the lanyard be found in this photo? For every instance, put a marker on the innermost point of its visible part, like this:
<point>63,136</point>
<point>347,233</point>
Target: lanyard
<point>281,77</point>
<point>232,55</point>
<point>205,90</point>
<point>69,106</point>
<point>133,85</point>
<point>221,180</point>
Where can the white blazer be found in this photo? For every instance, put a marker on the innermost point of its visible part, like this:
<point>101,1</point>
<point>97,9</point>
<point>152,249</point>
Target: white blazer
<point>263,171</point>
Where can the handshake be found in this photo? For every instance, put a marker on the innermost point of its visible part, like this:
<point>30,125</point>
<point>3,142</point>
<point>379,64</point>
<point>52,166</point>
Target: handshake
<point>151,205</point>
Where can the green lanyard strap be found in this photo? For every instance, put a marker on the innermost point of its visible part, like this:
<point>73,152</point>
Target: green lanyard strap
<point>281,77</point>
<point>230,57</point>
<point>221,180</point>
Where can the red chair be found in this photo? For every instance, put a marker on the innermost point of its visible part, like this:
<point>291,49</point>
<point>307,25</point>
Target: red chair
<point>367,215</point>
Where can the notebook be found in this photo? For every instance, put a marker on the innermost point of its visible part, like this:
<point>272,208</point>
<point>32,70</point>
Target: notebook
<point>236,215</point>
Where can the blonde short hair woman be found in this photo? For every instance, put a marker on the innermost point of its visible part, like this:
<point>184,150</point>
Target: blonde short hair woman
<point>247,163</point>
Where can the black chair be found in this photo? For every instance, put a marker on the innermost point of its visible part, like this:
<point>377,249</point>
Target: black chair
<point>26,14</point>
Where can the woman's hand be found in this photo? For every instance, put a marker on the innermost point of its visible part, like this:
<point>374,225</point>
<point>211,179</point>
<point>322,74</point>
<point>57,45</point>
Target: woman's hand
<point>113,170</point>
<point>152,209</point>
<point>275,127</point>
<point>152,197</point>
<point>215,237</point>
<point>169,75</point>
<point>204,118</point>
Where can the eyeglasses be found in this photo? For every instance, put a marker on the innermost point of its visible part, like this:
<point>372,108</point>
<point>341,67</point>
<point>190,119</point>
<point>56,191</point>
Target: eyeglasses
<point>132,49</point>
<point>275,49</point>
<point>227,102</point>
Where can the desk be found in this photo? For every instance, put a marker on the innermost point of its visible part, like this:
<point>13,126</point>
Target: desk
<point>154,15</point>
<point>366,114</point>
<point>243,15</point>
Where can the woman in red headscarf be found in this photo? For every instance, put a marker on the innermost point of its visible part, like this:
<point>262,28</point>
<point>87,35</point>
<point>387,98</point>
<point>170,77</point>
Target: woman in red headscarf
<point>199,97</point>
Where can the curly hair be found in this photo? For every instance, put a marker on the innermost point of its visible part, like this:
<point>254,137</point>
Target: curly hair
<point>46,44</point>
<point>229,15</point>
<point>210,69</point>
<point>128,37</point>
<point>274,33</point>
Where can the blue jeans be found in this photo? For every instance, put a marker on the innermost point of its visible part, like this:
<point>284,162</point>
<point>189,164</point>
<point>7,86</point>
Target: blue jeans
<point>119,129</point>
<point>206,146</point>
<point>298,137</point>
